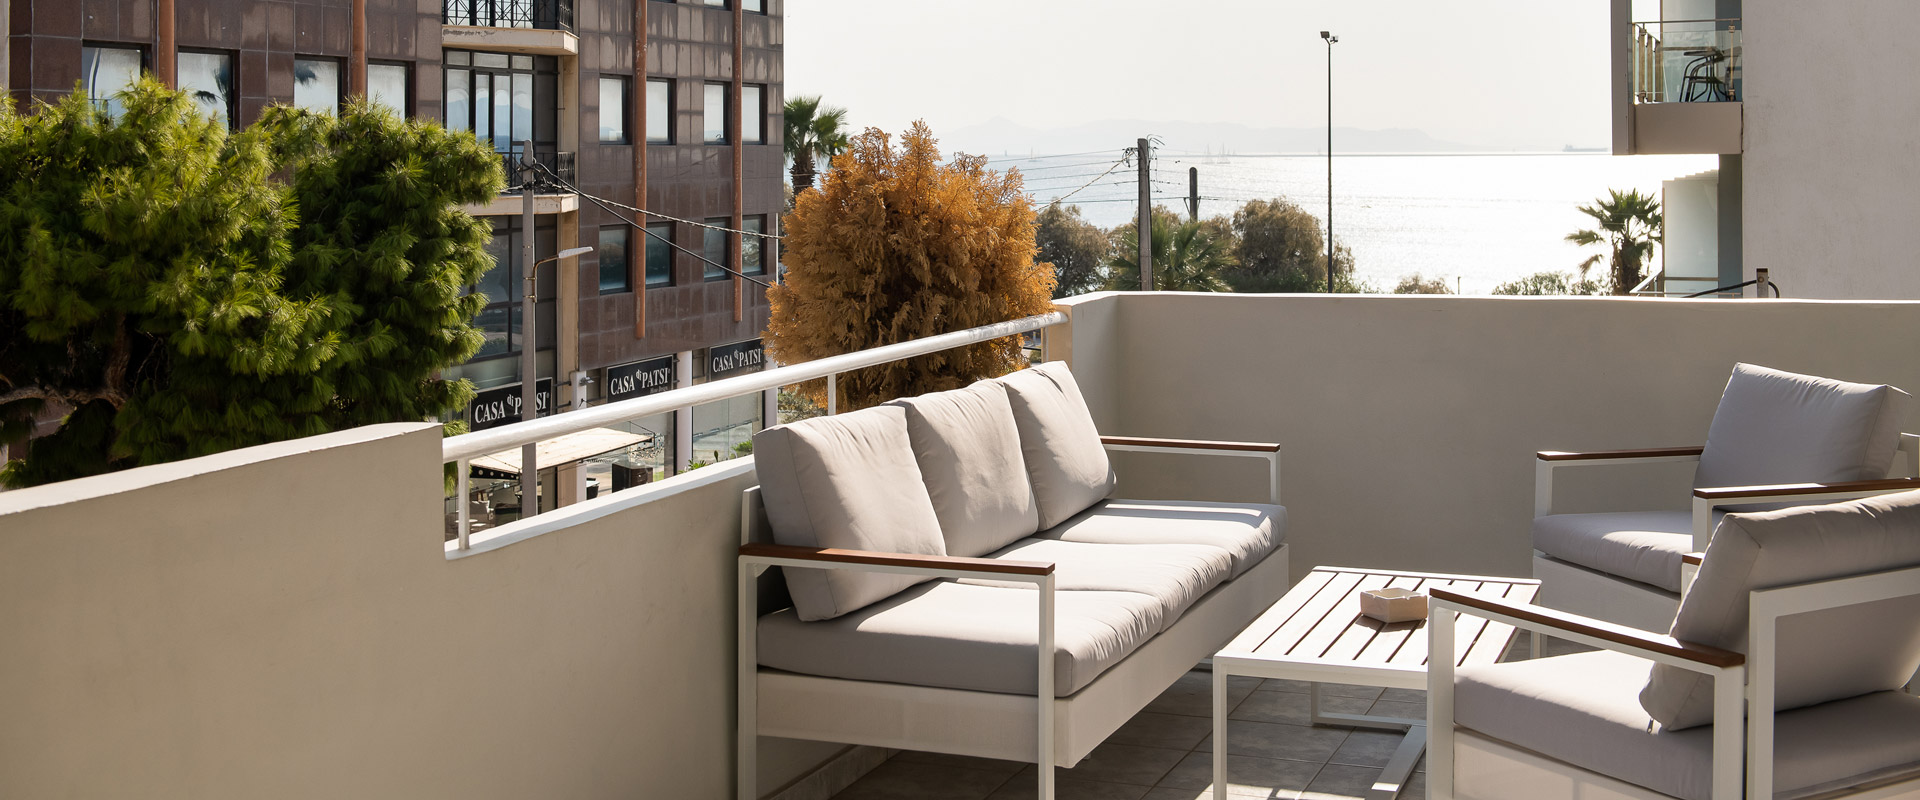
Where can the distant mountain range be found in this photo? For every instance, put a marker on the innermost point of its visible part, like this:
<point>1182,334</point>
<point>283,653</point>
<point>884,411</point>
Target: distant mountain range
<point>1003,137</point>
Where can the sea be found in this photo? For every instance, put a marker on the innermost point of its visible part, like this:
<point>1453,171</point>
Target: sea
<point>1474,221</point>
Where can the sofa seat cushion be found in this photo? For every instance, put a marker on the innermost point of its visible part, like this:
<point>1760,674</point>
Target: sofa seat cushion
<point>1584,710</point>
<point>1247,531</point>
<point>1064,457</point>
<point>969,453</point>
<point>1175,574</point>
<point>1641,546</point>
<point>958,636</point>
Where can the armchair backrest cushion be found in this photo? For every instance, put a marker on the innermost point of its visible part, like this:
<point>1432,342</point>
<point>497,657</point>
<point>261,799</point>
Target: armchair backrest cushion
<point>968,449</point>
<point>1821,655</point>
<point>849,481</point>
<point>1781,427</point>
<point>1065,460</point>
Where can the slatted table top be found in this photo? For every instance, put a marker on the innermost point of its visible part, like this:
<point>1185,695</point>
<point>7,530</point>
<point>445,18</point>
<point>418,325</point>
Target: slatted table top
<point>1316,632</point>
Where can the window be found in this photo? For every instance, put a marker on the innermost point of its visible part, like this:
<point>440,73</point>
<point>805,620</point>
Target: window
<point>714,247</point>
<point>660,112</point>
<point>754,6</point>
<point>613,110</point>
<point>494,99</point>
<point>752,260</point>
<point>714,3</point>
<point>108,71</point>
<point>660,254</point>
<point>753,125</point>
<point>208,79</point>
<point>316,85</point>
<point>715,113</point>
<point>387,85</point>
<point>613,260</point>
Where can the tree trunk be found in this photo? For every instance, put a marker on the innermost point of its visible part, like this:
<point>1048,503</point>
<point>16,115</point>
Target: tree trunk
<point>802,173</point>
<point>1622,281</point>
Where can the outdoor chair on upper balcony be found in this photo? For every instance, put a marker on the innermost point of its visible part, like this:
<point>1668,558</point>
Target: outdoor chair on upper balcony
<point>1777,438</point>
<point>1782,677</point>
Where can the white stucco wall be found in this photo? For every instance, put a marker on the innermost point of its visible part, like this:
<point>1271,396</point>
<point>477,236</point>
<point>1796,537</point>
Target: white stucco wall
<point>1832,155</point>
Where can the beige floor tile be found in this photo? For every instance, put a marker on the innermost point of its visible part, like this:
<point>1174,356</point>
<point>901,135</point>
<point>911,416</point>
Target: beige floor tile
<point>1405,695</point>
<point>1367,749</point>
<point>1122,763</point>
<point>1176,731</point>
<point>1247,776</point>
<point>1192,694</point>
<point>1291,707</point>
<point>1350,690</point>
<point>907,780</point>
<point>964,762</point>
<point>1024,786</point>
<point>1284,685</point>
<point>1271,740</point>
<point>1416,787</point>
<point>1337,782</point>
<point>1390,708</point>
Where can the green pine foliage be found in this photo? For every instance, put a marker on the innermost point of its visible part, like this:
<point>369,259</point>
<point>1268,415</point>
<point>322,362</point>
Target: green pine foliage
<point>184,291</point>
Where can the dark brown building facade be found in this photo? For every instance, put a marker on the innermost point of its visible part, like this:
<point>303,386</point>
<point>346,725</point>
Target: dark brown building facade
<point>683,122</point>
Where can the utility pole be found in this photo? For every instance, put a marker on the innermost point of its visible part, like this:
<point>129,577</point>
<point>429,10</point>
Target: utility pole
<point>1327,35</point>
<point>529,336</point>
<point>1193,193</point>
<point>1143,227</point>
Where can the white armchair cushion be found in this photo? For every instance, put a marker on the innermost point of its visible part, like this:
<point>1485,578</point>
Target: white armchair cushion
<point>1824,655</point>
<point>969,453</point>
<point>1064,457</point>
<point>1781,427</point>
<point>849,481</point>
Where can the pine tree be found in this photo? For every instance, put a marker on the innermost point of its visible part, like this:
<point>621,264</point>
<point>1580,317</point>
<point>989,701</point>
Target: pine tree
<point>897,245</point>
<point>159,282</point>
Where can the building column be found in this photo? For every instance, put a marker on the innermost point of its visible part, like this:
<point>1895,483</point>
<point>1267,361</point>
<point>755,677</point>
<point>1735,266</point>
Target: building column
<point>739,154</point>
<point>6,54</point>
<point>165,60</point>
<point>639,259</point>
<point>357,67</point>
<point>1731,183</point>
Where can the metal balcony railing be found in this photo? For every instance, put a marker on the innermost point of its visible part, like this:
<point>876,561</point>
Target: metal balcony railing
<point>544,14</point>
<point>1687,61</point>
<point>560,162</point>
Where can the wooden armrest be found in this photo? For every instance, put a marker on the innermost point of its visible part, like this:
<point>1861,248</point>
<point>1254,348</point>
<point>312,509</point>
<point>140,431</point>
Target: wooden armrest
<point>1574,623</point>
<point>836,555</point>
<point>1693,558</point>
<point>1781,490</point>
<point>1603,455</point>
<point>1192,444</point>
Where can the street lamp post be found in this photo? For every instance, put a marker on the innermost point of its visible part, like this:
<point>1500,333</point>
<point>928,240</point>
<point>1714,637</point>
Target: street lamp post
<point>1327,35</point>
<point>529,380</point>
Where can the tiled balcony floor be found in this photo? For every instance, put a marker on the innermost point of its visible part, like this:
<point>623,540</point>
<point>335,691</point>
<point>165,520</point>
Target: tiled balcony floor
<point>1166,751</point>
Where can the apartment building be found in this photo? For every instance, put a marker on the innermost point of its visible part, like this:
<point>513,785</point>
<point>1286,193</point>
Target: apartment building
<point>1811,109</point>
<point>683,121</point>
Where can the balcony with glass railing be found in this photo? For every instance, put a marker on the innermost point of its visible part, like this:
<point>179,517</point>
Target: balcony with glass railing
<point>1687,61</point>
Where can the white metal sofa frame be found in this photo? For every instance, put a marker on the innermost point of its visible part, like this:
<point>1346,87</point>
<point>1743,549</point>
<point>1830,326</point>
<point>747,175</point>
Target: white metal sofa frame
<point>1742,684</point>
<point>755,558</point>
<point>1570,587</point>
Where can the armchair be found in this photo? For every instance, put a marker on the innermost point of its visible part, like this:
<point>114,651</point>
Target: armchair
<point>1776,439</point>
<point>1782,677</point>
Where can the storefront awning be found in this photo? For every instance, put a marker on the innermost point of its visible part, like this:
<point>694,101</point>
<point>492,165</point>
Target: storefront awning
<point>565,449</point>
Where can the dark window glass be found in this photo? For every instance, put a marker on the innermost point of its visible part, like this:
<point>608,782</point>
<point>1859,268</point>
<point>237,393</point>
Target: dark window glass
<point>316,84</point>
<point>207,78</point>
<point>108,71</point>
<point>613,110</point>
<point>660,254</point>
<point>613,260</point>
<point>387,86</point>
<point>660,112</point>
<point>494,330</point>
<point>752,248</point>
<point>714,247</point>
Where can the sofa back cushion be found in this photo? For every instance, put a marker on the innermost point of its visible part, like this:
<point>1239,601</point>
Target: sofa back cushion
<point>1065,460</point>
<point>849,481</point>
<point>968,449</point>
<point>1781,427</point>
<point>1821,655</point>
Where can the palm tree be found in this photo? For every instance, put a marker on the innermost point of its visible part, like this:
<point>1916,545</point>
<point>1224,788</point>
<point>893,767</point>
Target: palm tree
<point>1187,256</point>
<point>812,131</point>
<point>1630,225</point>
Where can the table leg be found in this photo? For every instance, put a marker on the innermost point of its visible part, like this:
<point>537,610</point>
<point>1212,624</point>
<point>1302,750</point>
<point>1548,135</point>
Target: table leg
<point>1394,776</point>
<point>1219,734</point>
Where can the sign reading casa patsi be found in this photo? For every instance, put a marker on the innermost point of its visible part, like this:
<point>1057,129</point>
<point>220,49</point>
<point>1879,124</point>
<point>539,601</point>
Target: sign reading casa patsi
<point>727,359</point>
<point>640,378</point>
<point>501,405</point>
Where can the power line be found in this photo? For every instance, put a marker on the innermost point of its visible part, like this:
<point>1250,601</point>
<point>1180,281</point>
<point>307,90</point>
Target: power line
<point>603,204</point>
<point>1124,158</point>
<point>991,159</point>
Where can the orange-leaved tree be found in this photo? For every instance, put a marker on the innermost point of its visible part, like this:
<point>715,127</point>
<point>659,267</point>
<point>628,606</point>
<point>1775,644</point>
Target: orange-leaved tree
<point>897,245</point>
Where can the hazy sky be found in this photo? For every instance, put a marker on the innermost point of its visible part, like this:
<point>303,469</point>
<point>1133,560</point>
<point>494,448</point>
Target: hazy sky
<point>1481,71</point>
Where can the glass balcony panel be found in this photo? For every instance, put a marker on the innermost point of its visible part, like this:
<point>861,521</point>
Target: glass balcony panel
<point>1693,61</point>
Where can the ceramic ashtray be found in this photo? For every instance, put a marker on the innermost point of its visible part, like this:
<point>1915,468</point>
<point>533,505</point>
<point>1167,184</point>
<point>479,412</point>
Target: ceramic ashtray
<point>1393,605</point>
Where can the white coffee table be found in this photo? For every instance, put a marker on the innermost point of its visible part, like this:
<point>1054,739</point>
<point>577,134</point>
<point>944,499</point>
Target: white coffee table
<point>1315,633</point>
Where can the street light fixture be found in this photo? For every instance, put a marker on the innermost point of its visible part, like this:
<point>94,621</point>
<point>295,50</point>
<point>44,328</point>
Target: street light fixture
<point>529,382</point>
<point>1328,35</point>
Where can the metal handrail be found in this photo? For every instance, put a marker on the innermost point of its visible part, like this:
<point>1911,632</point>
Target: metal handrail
<point>463,448</point>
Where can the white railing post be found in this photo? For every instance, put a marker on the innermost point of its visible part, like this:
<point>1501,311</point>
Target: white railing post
<point>460,502</point>
<point>1440,658</point>
<point>1043,698</point>
<point>833,394</point>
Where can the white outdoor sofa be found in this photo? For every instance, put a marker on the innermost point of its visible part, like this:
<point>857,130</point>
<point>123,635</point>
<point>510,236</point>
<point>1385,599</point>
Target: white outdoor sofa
<point>956,579</point>
<point>1782,677</point>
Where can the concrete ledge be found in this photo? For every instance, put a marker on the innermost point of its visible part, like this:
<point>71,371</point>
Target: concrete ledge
<point>511,204</point>
<point>1687,128</point>
<point>535,41</point>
